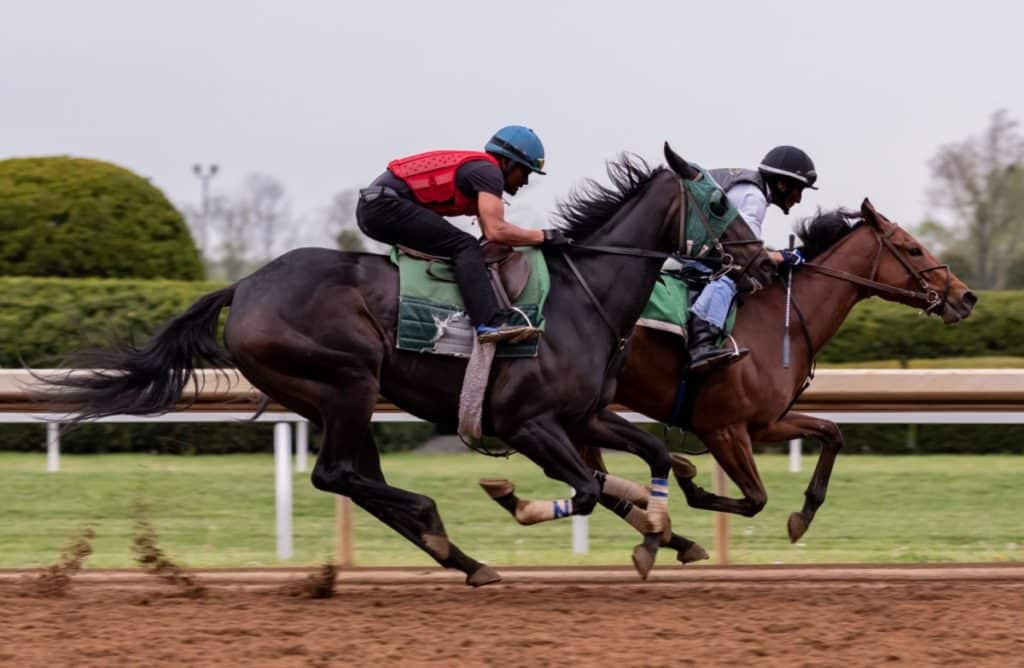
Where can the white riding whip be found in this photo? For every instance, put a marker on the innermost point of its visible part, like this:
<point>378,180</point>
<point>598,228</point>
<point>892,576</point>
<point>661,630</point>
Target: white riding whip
<point>789,303</point>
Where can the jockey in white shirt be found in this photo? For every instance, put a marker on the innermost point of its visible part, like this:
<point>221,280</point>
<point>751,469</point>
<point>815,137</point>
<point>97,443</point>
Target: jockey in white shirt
<point>780,180</point>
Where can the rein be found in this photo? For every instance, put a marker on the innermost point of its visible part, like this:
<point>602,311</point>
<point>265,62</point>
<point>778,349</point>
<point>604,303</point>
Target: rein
<point>724,259</point>
<point>932,299</point>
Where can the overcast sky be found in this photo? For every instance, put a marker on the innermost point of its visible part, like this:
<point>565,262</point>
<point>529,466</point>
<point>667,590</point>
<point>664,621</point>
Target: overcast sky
<point>323,94</point>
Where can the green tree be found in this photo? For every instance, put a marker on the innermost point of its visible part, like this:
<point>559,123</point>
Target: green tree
<point>73,217</point>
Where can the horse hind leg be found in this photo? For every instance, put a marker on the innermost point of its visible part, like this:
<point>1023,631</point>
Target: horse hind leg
<point>349,464</point>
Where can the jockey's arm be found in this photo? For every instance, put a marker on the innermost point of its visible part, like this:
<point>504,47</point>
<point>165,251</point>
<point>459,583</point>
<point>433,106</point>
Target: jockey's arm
<point>491,213</point>
<point>752,206</point>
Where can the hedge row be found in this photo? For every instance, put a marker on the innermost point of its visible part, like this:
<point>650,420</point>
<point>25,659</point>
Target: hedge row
<point>41,320</point>
<point>191,438</point>
<point>879,330</point>
<point>73,217</point>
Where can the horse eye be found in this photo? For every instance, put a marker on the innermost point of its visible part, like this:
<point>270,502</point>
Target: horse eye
<point>915,251</point>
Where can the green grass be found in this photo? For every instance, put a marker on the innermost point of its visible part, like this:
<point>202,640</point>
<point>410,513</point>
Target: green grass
<point>938,363</point>
<point>219,511</point>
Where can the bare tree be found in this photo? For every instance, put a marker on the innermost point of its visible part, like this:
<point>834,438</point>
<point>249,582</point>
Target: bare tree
<point>269,221</point>
<point>340,222</point>
<point>980,180</point>
<point>232,224</point>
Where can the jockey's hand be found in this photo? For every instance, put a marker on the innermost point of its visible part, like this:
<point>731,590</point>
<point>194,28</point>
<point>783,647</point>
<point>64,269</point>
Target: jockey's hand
<point>790,258</point>
<point>555,237</point>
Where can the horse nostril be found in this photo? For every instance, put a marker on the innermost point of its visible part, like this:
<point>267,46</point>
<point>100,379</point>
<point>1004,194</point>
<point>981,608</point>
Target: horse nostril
<point>970,300</point>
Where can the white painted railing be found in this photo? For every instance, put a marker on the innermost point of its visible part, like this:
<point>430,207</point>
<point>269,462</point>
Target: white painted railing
<point>962,396</point>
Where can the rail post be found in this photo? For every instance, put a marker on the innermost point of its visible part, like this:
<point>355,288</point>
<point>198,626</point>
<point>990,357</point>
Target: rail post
<point>796,446</point>
<point>721,519</point>
<point>52,447</point>
<point>301,446</point>
<point>283,488</point>
<point>346,541</point>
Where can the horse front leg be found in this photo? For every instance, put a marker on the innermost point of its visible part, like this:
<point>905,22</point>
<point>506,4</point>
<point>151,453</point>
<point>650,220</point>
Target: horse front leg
<point>543,441</point>
<point>731,448</point>
<point>799,425</point>
<point>628,500</point>
<point>609,430</point>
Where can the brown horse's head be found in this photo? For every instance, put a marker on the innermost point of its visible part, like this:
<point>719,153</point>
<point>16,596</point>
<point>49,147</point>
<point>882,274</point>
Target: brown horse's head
<point>904,263</point>
<point>752,269</point>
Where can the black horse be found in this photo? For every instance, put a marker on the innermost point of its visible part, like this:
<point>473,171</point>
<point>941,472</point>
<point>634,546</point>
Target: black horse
<point>314,330</point>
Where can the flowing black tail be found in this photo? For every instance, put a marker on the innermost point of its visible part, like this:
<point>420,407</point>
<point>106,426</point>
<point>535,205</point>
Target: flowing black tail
<point>125,380</point>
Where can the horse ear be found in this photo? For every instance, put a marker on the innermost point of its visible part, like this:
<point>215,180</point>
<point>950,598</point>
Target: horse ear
<point>867,209</point>
<point>678,165</point>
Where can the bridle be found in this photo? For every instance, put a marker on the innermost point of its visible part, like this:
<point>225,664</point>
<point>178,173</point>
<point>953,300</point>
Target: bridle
<point>932,299</point>
<point>682,252</point>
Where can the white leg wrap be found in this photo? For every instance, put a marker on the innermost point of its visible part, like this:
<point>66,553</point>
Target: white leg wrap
<point>657,507</point>
<point>637,519</point>
<point>626,489</point>
<point>532,512</point>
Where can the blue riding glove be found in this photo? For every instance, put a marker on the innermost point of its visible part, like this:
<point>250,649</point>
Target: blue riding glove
<point>791,258</point>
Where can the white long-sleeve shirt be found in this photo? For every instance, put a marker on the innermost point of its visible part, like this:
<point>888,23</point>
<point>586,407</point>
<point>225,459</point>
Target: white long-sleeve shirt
<point>751,203</point>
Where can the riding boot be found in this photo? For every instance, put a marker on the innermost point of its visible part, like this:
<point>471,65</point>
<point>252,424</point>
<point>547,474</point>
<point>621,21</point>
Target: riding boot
<point>705,353</point>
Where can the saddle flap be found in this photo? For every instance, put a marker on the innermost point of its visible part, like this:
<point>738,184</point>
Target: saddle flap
<point>514,271</point>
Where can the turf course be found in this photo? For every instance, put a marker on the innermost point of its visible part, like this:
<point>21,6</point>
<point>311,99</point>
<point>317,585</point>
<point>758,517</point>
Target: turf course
<point>219,511</point>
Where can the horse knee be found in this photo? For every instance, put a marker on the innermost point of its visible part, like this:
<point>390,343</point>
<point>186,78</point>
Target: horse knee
<point>584,501</point>
<point>756,503</point>
<point>335,482</point>
<point>424,507</point>
<point>831,436</point>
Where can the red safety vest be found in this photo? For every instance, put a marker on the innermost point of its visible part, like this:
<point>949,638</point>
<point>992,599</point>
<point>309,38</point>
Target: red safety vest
<point>431,177</point>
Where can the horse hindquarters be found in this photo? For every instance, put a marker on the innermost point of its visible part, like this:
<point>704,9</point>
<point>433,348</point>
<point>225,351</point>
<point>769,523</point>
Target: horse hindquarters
<point>327,368</point>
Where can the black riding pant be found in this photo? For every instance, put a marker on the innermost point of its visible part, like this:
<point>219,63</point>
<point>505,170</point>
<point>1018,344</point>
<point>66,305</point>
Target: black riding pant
<point>395,220</point>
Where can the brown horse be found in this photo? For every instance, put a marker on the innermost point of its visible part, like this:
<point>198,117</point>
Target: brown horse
<point>749,401</point>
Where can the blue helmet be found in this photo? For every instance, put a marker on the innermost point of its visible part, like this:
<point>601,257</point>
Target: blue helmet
<point>520,144</point>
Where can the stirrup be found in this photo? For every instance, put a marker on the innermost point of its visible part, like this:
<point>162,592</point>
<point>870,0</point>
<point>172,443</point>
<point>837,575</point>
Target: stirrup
<point>723,358</point>
<point>510,333</point>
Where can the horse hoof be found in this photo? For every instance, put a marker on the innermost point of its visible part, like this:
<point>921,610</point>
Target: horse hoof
<point>484,575</point>
<point>796,526</point>
<point>683,467</point>
<point>497,487</point>
<point>693,553</point>
<point>643,560</point>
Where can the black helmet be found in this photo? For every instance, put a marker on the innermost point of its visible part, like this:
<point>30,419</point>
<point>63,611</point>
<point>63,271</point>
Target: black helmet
<point>791,162</point>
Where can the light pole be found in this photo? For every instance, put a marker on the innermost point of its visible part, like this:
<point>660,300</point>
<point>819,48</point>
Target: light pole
<point>205,176</point>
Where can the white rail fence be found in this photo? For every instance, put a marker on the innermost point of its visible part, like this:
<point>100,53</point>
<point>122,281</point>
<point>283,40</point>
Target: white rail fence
<point>961,396</point>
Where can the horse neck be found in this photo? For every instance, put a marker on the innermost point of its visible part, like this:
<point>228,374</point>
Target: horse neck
<point>826,301</point>
<point>621,283</point>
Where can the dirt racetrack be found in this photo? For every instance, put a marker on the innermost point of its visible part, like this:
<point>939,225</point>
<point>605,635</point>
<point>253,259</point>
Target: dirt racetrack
<point>788,616</point>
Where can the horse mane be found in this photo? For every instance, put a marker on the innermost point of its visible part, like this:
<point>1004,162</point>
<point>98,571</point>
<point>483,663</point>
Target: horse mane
<point>823,230</point>
<point>591,205</point>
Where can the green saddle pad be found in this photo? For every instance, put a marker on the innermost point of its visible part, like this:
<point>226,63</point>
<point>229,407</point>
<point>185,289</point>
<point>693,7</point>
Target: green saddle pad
<point>431,312</point>
<point>669,307</point>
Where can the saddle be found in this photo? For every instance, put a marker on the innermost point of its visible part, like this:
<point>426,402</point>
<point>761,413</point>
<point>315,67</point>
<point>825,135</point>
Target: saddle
<point>509,269</point>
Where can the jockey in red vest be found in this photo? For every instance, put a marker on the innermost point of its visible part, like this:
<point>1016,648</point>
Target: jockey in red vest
<point>406,206</point>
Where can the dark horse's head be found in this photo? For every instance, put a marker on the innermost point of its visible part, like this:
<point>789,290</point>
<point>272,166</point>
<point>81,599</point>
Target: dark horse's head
<point>587,211</point>
<point>907,271</point>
